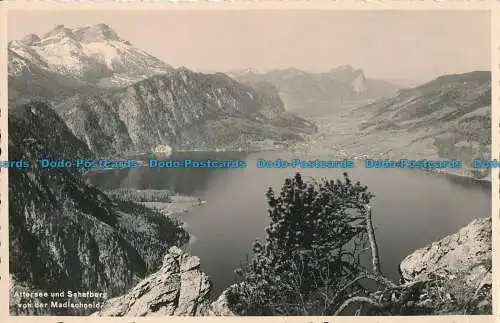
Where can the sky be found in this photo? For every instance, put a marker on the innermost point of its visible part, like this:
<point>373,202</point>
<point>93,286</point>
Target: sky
<point>406,45</point>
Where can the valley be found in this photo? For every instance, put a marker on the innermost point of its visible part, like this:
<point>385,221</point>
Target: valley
<point>459,128</point>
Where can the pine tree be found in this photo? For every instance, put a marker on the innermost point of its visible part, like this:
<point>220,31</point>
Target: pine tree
<point>311,244</point>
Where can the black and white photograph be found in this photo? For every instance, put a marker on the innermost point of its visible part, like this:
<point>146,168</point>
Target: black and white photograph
<point>249,162</point>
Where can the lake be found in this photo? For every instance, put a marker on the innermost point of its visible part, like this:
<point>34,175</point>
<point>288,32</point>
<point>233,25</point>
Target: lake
<point>410,208</point>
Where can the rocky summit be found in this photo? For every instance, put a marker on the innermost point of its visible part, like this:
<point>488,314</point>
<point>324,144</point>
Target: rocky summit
<point>65,61</point>
<point>92,54</point>
<point>179,287</point>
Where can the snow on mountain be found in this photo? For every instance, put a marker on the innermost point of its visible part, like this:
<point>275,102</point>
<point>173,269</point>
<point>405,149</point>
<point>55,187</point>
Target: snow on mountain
<point>93,54</point>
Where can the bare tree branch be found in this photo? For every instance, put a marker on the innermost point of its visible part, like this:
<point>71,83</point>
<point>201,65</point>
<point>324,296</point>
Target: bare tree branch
<point>357,299</point>
<point>373,242</point>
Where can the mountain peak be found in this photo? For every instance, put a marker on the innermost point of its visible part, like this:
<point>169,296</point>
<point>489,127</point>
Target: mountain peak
<point>30,39</point>
<point>59,31</point>
<point>94,33</point>
<point>97,32</point>
<point>346,67</point>
<point>346,70</point>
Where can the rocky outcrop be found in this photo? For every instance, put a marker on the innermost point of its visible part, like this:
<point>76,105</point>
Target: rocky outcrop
<point>179,287</point>
<point>221,307</point>
<point>468,248</point>
<point>459,266</point>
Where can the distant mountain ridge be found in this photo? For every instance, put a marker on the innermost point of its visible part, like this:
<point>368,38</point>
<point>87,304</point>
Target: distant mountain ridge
<point>302,90</point>
<point>445,98</point>
<point>451,112</point>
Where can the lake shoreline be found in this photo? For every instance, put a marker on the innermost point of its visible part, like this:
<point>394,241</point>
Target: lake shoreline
<point>448,172</point>
<point>165,201</point>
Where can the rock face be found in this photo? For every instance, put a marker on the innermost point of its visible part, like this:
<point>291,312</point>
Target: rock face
<point>468,248</point>
<point>220,307</point>
<point>184,110</point>
<point>178,288</point>
<point>462,261</point>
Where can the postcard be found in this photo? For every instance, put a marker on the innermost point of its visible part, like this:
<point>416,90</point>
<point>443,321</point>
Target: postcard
<point>250,162</point>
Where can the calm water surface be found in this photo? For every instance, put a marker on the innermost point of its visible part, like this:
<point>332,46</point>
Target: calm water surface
<point>411,208</point>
